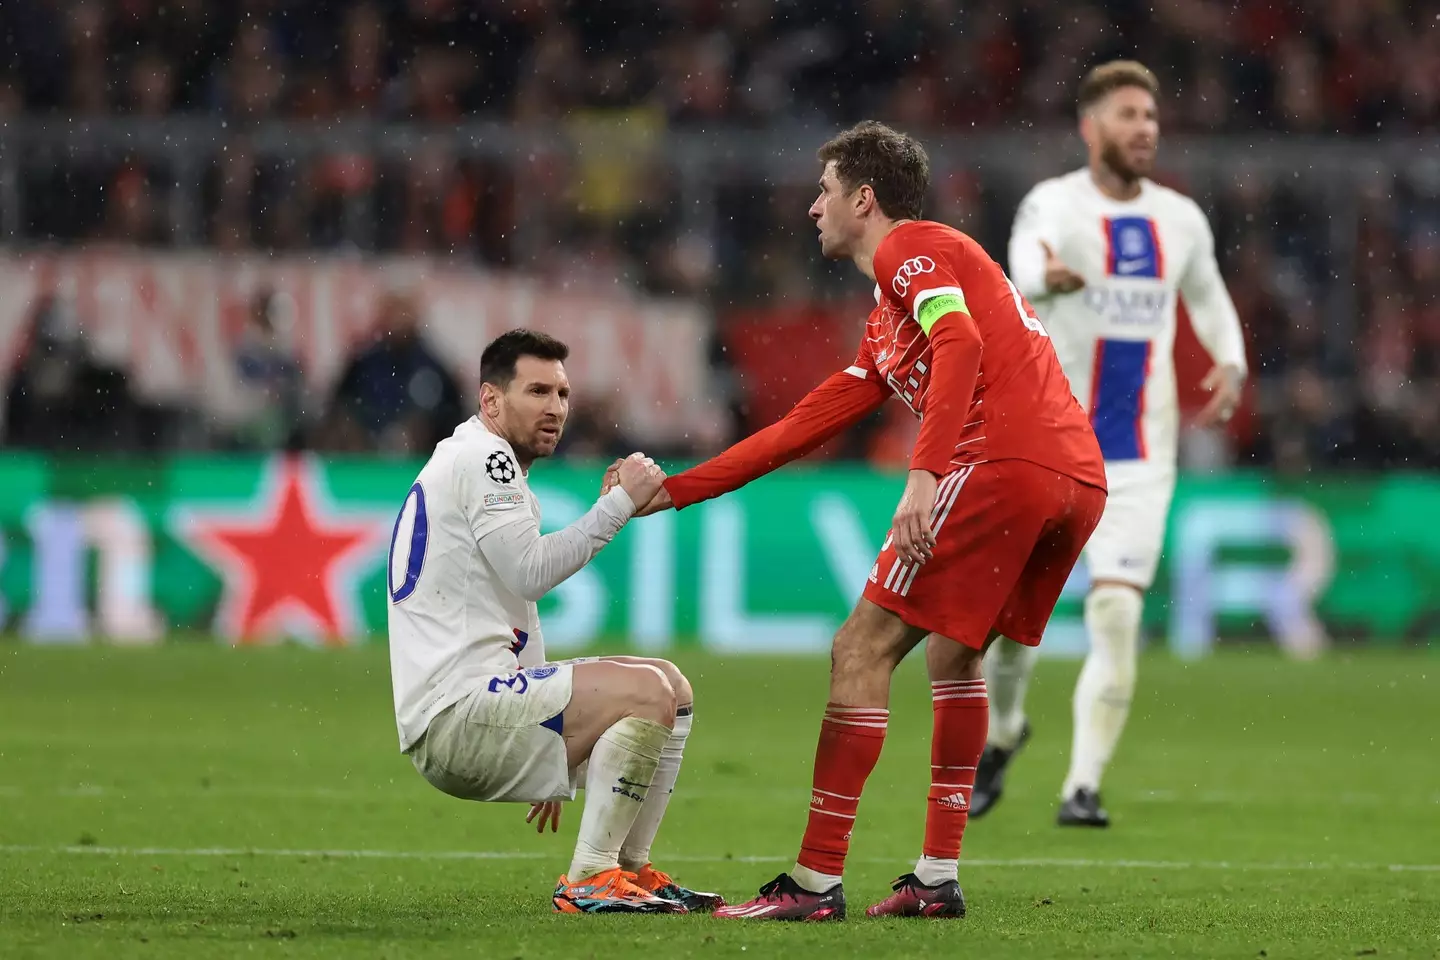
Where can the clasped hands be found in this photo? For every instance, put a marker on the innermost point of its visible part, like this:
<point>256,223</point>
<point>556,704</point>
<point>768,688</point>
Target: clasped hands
<point>642,480</point>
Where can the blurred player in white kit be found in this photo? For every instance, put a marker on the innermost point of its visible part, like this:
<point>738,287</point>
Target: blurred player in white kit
<point>1103,254</point>
<point>481,713</point>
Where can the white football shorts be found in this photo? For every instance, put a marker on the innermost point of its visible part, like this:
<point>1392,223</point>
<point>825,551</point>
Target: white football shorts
<point>502,741</point>
<point>1127,542</point>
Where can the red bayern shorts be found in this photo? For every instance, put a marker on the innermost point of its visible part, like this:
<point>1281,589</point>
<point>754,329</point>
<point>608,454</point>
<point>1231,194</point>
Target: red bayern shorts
<point>1007,534</point>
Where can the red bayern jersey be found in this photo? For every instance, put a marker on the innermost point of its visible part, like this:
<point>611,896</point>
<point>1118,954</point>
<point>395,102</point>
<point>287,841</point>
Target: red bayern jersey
<point>956,342</point>
<point>999,392</point>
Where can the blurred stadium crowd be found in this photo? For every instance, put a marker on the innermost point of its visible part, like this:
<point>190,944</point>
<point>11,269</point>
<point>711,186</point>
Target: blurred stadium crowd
<point>620,80</point>
<point>1348,66</point>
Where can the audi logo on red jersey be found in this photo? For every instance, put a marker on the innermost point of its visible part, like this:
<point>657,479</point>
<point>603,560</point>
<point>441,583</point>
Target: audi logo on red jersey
<point>910,268</point>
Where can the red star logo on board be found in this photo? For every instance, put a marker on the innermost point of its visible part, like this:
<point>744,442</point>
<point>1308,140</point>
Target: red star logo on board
<point>289,561</point>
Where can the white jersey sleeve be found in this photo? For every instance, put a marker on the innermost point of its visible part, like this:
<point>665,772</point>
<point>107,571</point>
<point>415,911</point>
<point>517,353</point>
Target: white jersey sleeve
<point>532,565</point>
<point>1038,222</point>
<point>1212,312</point>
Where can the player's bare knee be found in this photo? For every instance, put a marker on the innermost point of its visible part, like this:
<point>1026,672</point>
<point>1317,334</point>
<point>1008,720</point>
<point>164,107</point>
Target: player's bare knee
<point>654,696</point>
<point>684,692</point>
<point>948,659</point>
<point>868,642</point>
<point>850,655</point>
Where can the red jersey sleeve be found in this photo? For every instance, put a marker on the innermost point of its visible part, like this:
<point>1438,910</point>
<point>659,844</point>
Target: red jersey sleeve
<point>838,403</point>
<point>914,273</point>
<point>865,366</point>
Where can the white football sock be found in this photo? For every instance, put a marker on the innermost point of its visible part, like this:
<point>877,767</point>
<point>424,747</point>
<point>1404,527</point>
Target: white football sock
<point>635,852</point>
<point>931,871</point>
<point>1107,681</point>
<point>622,768</point>
<point>813,880</point>
<point>1008,666</point>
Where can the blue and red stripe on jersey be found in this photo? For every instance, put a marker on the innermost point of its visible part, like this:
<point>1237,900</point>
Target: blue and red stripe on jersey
<point>1132,248</point>
<point>1117,397</point>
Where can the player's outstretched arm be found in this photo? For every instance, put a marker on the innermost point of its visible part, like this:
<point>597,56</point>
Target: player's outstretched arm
<point>840,402</point>
<point>532,565</point>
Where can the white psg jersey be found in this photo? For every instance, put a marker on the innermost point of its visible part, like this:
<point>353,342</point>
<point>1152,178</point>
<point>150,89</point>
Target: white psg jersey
<point>1115,337</point>
<point>452,618</point>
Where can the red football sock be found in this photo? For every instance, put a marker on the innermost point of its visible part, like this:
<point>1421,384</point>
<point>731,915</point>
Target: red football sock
<point>962,714</point>
<point>850,742</point>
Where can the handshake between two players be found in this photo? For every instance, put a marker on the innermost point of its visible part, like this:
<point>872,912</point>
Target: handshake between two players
<point>1007,483</point>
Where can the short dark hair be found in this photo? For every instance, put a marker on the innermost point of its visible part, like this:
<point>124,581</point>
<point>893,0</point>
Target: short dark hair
<point>497,363</point>
<point>894,164</point>
<point>1115,75</point>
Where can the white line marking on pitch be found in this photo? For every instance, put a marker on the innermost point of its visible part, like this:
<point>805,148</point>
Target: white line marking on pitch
<point>381,795</point>
<point>1057,862</point>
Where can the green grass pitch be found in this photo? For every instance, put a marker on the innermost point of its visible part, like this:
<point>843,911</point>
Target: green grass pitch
<point>197,801</point>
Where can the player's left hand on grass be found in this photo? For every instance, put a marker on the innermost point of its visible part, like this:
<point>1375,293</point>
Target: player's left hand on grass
<point>913,539</point>
<point>548,812</point>
<point>1224,382</point>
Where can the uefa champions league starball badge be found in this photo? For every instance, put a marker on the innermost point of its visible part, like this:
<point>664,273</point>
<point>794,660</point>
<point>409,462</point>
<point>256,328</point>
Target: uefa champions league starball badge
<point>500,468</point>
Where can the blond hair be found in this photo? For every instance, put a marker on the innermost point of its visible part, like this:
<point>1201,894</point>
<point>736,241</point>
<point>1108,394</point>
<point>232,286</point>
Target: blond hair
<point>1112,76</point>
